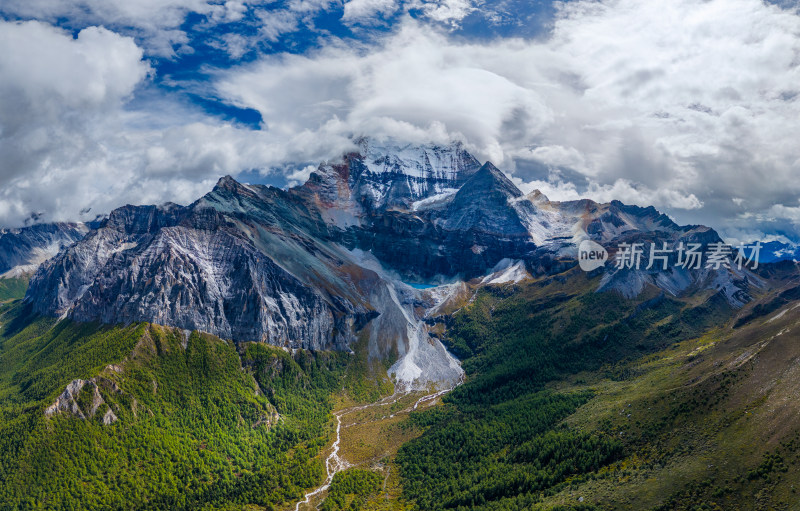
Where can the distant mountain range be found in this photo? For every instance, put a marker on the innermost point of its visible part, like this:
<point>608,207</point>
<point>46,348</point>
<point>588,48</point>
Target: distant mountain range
<point>23,250</point>
<point>774,251</point>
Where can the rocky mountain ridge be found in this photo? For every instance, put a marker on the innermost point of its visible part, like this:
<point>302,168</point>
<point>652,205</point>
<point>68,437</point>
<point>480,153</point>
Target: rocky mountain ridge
<point>323,264</point>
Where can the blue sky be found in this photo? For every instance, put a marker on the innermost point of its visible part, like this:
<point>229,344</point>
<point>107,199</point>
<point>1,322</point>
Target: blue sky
<point>691,106</point>
<point>207,45</point>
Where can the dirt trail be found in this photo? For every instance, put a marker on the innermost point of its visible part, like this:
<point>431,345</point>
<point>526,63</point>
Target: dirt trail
<point>335,463</point>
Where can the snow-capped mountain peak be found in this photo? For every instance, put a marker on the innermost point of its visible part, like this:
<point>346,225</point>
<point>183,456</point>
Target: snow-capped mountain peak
<point>451,162</point>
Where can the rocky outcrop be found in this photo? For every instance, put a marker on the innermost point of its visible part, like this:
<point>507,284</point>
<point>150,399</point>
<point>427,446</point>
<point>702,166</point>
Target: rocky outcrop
<point>70,401</point>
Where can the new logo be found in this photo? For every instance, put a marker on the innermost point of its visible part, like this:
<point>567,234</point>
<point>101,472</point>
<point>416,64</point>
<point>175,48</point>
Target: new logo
<point>591,255</point>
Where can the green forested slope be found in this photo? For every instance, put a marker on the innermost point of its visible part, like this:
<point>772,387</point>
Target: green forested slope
<point>350,488</point>
<point>200,425</point>
<point>583,400</point>
<point>500,441</point>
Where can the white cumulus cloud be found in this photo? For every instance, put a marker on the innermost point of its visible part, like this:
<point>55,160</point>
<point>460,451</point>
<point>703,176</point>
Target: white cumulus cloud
<point>692,105</point>
<point>684,104</point>
<point>368,11</point>
<point>69,141</point>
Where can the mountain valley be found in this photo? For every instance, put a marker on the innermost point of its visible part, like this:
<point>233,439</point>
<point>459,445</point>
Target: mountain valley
<point>204,356</point>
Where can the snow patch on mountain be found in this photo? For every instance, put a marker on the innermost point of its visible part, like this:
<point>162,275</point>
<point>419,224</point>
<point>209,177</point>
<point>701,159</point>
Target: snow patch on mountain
<point>543,222</point>
<point>434,200</point>
<point>506,271</point>
<point>125,246</point>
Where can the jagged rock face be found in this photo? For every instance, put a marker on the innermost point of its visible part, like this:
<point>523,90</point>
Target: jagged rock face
<point>463,233</point>
<point>734,284</point>
<point>242,263</point>
<point>63,280</point>
<point>23,250</point>
<point>484,204</point>
<point>210,281</point>
<point>423,211</point>
<point>422,249</point>
<point>615,223</point>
